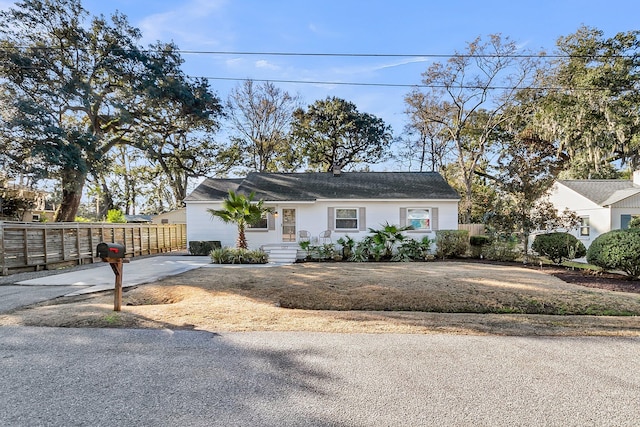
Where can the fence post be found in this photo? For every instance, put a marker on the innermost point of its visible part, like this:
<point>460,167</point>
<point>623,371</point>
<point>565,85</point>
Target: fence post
<point>5,269</point>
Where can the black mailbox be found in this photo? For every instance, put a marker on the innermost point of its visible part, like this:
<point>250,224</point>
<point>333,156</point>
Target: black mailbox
<point>110,250</point>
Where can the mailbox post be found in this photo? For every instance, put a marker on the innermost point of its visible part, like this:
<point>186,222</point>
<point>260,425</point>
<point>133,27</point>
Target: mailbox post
<point>113,253</point>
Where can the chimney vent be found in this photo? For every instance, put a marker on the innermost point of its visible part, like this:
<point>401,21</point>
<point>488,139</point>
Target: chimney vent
<point>337,170</point>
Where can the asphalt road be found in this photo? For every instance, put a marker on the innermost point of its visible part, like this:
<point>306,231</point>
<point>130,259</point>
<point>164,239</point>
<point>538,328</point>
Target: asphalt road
<point>97,377</point>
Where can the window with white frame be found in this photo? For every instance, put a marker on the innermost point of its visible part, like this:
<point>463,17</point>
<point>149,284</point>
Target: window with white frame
<point>346,219</point>
<point>263,224</point>
<point>419,218</point>
<point>585,228</point>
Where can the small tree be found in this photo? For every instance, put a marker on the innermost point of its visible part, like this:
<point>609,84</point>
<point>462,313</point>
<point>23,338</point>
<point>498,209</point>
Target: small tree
<point>617,250</point>
<point>558,246</point>
<point>116,216</point>
<point>242,211</point>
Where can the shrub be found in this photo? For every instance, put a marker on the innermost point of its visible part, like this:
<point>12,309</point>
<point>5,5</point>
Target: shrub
<point>477,243</point>
<point>203,247</point>
<point>322,252</point>
<point>558,246</point>
<point>115,216</point>
<point>412,249</point>
<point>452,243</point>
<point>617,250</point>
<point>501,250</point>
<point>348,244</point>
<point>238,256</point>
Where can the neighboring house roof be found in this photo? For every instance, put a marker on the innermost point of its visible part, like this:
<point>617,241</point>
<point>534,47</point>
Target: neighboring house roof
<point>138,218</point>
<point>603,192</point>
<point>312,186</point>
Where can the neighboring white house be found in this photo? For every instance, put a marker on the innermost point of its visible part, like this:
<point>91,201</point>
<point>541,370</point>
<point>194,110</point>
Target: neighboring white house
<point>177,216</point>
<point>345,203</point>
<point>602,204</point>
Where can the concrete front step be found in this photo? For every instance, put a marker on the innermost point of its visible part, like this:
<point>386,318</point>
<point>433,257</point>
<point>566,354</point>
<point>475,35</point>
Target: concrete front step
<point>281,254</point>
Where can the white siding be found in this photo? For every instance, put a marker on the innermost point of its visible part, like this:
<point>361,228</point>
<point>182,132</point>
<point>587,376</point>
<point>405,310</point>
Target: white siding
<point>313,217</point>
<point>600,219</point>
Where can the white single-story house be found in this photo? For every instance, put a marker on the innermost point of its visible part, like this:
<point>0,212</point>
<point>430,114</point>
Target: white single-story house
<point>602,204</point>
<point>323,206</point>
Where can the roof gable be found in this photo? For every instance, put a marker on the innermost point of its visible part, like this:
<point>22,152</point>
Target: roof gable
<point>604,192</point>
<point>324,185</point>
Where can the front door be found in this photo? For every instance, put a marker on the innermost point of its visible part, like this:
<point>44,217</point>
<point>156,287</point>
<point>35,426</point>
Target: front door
<point>288,225</point>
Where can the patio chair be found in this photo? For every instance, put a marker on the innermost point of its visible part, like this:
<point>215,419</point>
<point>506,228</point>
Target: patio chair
<point>304,235</point>
<point>324,236</point>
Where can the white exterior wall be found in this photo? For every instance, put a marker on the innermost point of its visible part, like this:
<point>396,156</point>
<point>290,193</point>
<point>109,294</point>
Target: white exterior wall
<point>600,220</point>
<point>313,217</point>
<point>616,215</point>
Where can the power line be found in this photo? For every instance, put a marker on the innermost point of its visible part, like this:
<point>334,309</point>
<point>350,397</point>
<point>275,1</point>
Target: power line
<point>343,54</point>
<point>404,85</point>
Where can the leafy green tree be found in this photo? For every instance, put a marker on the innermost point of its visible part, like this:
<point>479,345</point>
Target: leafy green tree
<point>525,170</point>
<point>332,133</point>
<point>177,117</point>
<point>469,96</point>
<point>65,80</point>
<point>78,89</point>
<point>260,116</point>
<point>240,210</point>
<point>592,104</point>
<point>116,216</point>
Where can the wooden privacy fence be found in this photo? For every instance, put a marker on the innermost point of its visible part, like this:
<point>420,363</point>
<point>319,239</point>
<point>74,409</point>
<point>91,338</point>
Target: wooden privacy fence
<point>46,245</point>
<point>473,229</point>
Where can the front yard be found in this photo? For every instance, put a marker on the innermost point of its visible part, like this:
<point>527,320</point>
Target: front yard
<point>452,297</point>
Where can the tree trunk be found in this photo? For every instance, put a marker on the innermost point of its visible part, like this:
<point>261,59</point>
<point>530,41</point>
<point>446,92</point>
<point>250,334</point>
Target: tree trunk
<point>72,185</point>
<point>242,237</point>
<point>106,200</point>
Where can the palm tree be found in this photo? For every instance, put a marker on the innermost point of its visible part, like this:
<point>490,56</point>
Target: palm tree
<point>240,210</point>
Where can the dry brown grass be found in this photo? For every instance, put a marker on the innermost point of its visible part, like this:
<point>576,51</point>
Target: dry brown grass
<point>450,297</point>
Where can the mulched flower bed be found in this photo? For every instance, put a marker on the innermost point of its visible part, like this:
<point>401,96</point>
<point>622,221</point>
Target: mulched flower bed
<point>587,278</point>
<point>608,281</point>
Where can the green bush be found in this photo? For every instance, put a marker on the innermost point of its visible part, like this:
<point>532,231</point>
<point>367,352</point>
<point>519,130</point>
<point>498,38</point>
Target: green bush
<point>324,252</point>
<point>115,216</point>
<point>452,243</point>
<point>617,250</point>
<point>480,240</point>
<point>238,256</point>
<point>412,249</point>
<point>558,246</point>
<point>203,247</point>
<point>501,250</point>
<point>477,243</point>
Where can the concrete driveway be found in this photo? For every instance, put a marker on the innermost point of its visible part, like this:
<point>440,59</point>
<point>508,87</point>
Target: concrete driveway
<point>97,377</point>
<point>94,278</point>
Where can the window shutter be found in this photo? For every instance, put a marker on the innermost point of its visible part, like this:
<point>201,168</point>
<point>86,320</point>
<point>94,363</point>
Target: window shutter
<point>362,219</point>
<point>434,219</point>
<point>271,221</point>
<point>403,217</point>
<point>331,223</point>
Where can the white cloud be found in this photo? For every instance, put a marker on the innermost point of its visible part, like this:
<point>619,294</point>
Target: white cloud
<point>266,65</point>
<point>372,68</point>
<point>189,25</point>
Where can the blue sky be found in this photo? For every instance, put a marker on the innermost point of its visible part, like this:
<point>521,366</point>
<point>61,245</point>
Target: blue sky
<point>350,26</point>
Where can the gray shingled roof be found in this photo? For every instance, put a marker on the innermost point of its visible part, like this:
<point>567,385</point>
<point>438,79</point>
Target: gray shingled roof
<point>603,192</point>
<point>324,185</point>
